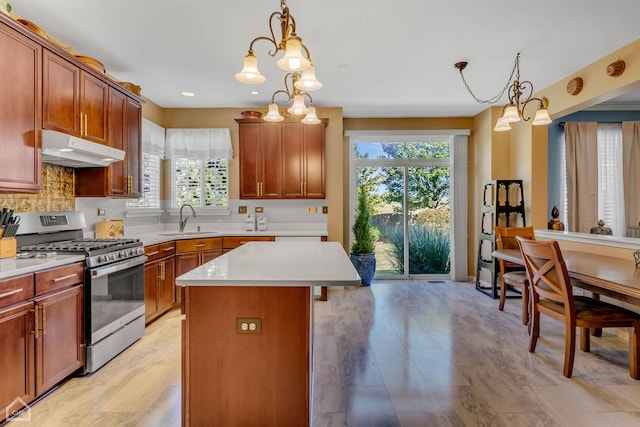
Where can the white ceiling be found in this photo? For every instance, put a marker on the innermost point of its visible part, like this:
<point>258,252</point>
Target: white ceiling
<point>375,59</point>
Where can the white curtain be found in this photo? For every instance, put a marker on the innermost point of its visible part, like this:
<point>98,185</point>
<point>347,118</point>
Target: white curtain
<point>582,176</point>
<point>630,165</point>
<point>199,143</point>
<point>610,191</point>
<point>153,138</point>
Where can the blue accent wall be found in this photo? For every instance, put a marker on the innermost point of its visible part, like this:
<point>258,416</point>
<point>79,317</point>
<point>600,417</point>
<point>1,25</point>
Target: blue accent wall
<point>556,136</point>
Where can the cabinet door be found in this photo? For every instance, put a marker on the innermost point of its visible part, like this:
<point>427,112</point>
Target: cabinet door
<point>207,256</point>
<point>271,161</point>
<point>166,284</point>
<point>20,114</point>
<point>117,122</point>
<point>187,262</point>
<point>249,160</point>
<point>60,94</point>
<point>133,148</point>
<point>293,151</point>
<point>313,161</point>
<point>94,99</point>
<point>17,356</point>
<point>151,277</point>
<point>59,346</point>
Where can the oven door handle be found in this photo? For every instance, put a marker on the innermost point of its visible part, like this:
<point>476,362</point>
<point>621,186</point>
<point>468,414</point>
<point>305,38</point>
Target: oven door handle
<point>112,268</point>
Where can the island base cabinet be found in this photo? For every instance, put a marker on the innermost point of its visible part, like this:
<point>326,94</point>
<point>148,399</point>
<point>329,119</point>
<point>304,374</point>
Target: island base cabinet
<point>239,378</point>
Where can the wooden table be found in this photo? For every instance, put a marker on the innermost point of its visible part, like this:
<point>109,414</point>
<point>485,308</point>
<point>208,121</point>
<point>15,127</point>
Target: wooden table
<point>603,275</point>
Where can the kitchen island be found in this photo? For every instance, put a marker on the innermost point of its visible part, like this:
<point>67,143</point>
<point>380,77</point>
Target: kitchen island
<point>247,335</point>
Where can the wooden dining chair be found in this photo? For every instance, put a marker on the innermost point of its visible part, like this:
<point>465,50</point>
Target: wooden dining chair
<point>513,274</point>
<point>551,294</point>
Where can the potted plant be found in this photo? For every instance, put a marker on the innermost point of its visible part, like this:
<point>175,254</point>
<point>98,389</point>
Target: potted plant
<point>362,249</point>
<point>5,7</point>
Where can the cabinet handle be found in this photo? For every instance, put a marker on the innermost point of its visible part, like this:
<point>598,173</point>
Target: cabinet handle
<point>13,292</point>
<point>44,320</point>
<point>129,184</point>
<point>35,322</point>
<point>164,271</point>
<point>304,193</point>
<point>167,249</point>
<point>68,276</point>
<point>86,125</point>
<point>260,189</point>
<point>199,245</point>
<point>153,253</point>
<point>81,124</point>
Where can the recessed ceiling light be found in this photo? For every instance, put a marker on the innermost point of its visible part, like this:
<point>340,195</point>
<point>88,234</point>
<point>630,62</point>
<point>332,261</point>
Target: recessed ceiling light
<point>64,150</point>
<point>255,92</point>
<point>188,94</point>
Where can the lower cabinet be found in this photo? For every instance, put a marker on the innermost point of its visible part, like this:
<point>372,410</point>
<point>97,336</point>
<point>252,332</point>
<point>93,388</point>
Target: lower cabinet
<point>41,335</point>
<point>192,253</point>
<point>159,280</point>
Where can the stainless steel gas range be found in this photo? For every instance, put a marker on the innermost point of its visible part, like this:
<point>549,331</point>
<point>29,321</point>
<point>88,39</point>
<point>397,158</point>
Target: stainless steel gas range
<point>114,280</point>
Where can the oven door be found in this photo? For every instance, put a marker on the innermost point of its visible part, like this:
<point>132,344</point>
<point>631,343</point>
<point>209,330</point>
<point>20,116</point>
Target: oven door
<point>115,297</point>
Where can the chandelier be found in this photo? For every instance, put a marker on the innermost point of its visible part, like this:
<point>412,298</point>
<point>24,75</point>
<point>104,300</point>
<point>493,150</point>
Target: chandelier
<point>514,111</point>
<point>296,61</point>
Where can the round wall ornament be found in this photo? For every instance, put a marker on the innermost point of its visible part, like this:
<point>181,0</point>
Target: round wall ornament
<point>574,86</point>
<point>616,68</point>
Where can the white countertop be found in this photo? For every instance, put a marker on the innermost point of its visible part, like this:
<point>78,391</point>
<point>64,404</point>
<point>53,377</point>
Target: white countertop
<point>13,266</point>
<point>277,264</point>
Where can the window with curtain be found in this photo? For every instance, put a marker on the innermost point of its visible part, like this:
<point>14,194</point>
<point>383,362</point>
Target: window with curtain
<point>153,141</point>
<point>200,167</point>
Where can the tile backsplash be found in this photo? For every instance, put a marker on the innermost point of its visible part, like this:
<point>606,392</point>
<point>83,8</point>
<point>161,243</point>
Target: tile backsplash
<point>57,194</point>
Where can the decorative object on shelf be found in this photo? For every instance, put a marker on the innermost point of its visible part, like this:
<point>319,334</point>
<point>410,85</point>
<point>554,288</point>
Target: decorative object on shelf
<point>636,255</point>
<point>554,222</point>
<point>296,61</point>
<point>601,229</point>
<point>5,7</point>
<point>514,111</point>
<point>33,27</point>
<point>574,86</point>
<point>251,114</point>
<point>363,254</point>
<point>615,69</point>
<point>91,62</point>
<point>133,88</point>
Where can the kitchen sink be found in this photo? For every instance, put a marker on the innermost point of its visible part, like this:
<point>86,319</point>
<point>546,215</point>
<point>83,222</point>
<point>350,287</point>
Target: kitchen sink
<point>187,233</point>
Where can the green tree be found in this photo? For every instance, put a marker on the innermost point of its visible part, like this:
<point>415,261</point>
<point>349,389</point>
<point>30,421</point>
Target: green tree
<point>370,179</point>
<point>428,187</point>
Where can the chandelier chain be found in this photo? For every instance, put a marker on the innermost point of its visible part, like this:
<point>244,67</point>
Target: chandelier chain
<point>515,71</point>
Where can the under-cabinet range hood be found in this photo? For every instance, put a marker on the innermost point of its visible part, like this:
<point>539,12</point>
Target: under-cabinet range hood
<point>70,151</point>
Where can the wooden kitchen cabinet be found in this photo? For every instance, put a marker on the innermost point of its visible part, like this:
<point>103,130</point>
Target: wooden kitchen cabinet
<point>123,178</point>
<point>192,253</point>
<point>281,160</point>
<point>20,113</point>
<point>73,101</point>
<point>159,280</point>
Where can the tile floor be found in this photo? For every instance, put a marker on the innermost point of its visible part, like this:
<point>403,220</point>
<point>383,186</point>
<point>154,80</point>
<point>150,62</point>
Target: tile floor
<point>398,353</point>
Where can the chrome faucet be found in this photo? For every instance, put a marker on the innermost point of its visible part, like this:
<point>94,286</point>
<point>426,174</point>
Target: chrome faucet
<point>183,222</point>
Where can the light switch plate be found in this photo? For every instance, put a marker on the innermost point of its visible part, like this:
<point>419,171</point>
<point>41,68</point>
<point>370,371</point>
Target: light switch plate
<point>325,209</point>
<point>259,209</point>
<point>313,209</point>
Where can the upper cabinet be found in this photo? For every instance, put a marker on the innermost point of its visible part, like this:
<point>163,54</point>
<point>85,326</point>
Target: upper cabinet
<point>281,160</point>
<point>20,117</point>
<point>73,101</point>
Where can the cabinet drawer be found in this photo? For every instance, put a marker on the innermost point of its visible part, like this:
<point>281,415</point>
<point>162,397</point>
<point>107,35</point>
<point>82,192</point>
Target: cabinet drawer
<point>16,289</point>
<point>58,278</point>
<point>233,242</point>
<point>160,250</point>
<point>195,245</point>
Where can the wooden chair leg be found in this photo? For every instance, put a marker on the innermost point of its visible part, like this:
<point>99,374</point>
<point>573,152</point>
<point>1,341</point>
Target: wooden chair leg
<point>585,341</point>
<point>535,330</point>
<point>569,350</point>
<point>596,332</point>
<point>525,304</point>
<point>634,351</point>
<point>503,294</point>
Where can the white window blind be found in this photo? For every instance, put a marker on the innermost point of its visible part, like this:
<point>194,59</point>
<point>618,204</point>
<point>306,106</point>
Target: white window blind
<point>611,190</point>
<point>153,142</point>
<point>199,164</point>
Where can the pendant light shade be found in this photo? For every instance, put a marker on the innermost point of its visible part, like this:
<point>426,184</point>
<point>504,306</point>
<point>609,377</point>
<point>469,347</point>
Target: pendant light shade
<point>511,114</point>
<point>293,60</point>
<point>541,117</point>
<point>250,73</point>
<point>311,118</point>
<point>273,115</point>
<point>502,125</point>
<point>298,106</point>
<point>308,81</point>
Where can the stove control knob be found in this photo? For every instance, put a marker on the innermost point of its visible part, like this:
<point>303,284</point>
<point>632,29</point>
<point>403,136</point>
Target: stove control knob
<point>122,254</point>
<point>103,258</point>
<point>112,257</point>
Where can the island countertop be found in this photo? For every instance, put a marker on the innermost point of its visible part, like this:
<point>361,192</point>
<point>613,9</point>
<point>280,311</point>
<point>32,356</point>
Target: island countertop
<point>277,264</point>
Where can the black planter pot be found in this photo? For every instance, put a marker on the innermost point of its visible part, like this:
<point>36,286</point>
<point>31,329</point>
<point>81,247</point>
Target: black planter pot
<point>365,265</point>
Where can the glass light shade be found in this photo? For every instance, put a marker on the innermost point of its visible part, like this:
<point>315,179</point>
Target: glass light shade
<point>511,114</point>
<point>541,117</point>
<point>308,82</point>
<point>273,115</point>
<point>250,73</point>
<point>311,118</point>
<point>293,60</point>
<point>502,125</point>
<point>298,106</point>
